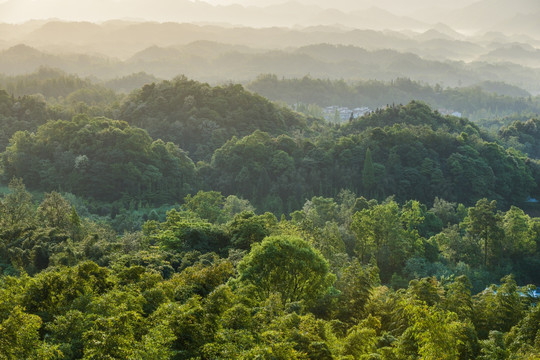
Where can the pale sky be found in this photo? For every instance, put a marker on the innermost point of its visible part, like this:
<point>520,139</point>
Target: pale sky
<point>165,10</point>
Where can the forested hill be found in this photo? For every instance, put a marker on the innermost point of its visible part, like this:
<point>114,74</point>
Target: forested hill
<point>523,135</point>
<point>409,152</point>
<point>411,157</point>
<point>27,101</point>
<point>485,100</point>
<point>101,159</point>
<point>413,114</point>
<point>200,118</point>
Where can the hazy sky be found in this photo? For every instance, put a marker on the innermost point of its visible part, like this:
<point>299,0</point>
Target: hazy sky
<point>353,3</point>
<point>396,5</point>
<point>164,10</point>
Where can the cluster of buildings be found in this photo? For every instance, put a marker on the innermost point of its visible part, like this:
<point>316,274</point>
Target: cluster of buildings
<point>342,113</point>
<point>450,112</point>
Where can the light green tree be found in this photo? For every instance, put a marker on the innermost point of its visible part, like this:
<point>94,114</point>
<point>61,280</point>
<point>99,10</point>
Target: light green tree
<point>207,204</point>
<point>55,211</point>
<point>16,208</point>
<point>287,265</point>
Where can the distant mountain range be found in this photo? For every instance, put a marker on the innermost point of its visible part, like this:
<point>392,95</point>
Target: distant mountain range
<point>497,15</point>
<point>289,13</point>
<point>500,42</point>
<point>507,16</point>
<point>219,62</point>
<point>121,39</point>
<point>517,53</point>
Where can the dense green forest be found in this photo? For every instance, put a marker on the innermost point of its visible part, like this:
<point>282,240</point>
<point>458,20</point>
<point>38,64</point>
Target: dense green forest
<point>189,221</point>
<point>216,281</point>
<point>407,151</point>
<point>486,100</point>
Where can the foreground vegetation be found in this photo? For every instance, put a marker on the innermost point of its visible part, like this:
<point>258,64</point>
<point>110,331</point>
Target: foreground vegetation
<point>216,281</point>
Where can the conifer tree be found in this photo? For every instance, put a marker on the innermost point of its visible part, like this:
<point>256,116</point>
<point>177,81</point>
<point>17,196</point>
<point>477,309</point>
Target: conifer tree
<point>368,174</point>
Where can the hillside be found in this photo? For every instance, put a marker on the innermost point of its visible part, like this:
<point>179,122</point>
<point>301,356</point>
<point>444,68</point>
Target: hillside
<point>487,100</point>
<point>200,118</point>
<point>247,147</point>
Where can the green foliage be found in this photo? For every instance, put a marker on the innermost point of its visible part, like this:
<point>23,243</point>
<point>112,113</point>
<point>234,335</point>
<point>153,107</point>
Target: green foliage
<point>458,297</point>
<point>19,114</point>
<point>277,301</point>
<point>355,285</point>
<point>180,233</point>
<point>200,279</point>
<point>437,332</point>
<point>523,135</point>
<point>523,338</point>
<point>484,226</point>
<point>111,337</point>
<point>211,279</point>
<point>31,239</point>
<point>99,158</point>
<point>201,118</point>
<point>287,265</point>
<point>46,81</point>
<point>498,308</point>
<point>16,207</point>
<point>19,335</point>
<point>487,100</point>
<point>494,348</point>
<point>413,153</point>
<point>207,205</point>
<point>361,339</point>
<point>380,232</point>
<point>247,228</point>
<point>368,175</point>
<point>55,211</point>
<point>131,82</point>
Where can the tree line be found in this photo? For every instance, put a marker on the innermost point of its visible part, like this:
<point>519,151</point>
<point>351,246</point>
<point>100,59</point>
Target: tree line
<point>486,100</point>
<point>407,151</point>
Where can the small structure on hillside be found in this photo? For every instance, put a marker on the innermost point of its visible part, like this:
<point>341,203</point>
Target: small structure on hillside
<point>342,113</point>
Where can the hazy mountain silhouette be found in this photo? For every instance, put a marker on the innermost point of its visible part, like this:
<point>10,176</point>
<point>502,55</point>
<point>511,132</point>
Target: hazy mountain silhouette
<point>432,34</point>
<point>487,14</point>
<point>509,16</point>
<point>521,24</point>
<point>217,63</point>
<point>221,53</point>
<point>517,53</point>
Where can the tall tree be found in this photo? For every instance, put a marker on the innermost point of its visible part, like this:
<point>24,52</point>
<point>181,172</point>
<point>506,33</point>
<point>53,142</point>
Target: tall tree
<point>16,208</point>
<point>368,174</point>
<point>55,211</point>
<point>484,224</point>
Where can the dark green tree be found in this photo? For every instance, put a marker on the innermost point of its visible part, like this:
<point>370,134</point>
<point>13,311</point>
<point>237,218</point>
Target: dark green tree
<point>483,223</point>
<point>368,175</point>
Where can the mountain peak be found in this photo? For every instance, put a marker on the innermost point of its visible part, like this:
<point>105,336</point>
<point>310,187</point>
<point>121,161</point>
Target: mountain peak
<point>21,50</point>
